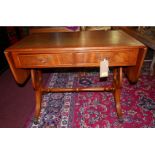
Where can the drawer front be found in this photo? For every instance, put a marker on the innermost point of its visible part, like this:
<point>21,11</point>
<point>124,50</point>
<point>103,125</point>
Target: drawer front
<point>75,59</point>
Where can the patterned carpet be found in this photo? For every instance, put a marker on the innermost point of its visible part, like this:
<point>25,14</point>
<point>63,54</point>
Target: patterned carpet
<point>97,109</point>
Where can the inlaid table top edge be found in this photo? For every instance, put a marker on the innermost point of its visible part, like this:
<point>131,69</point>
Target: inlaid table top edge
<point>56,41</point>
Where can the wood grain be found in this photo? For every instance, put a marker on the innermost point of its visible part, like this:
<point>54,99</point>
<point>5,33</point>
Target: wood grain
<point>84,40</point>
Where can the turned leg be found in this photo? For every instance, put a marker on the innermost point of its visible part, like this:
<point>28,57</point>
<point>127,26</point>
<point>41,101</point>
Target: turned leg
<point>36,76</point>
<point>117,92</point>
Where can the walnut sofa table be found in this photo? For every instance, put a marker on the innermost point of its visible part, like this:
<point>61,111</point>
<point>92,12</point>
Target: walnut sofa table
<point>76,49</point>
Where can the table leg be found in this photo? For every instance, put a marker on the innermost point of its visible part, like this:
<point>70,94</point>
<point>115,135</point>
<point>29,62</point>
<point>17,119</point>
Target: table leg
<point>36,76</point>
<point>117,92</point>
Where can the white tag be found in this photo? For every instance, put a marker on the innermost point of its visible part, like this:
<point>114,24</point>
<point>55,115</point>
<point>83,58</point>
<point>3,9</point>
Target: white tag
<point>104,68</point>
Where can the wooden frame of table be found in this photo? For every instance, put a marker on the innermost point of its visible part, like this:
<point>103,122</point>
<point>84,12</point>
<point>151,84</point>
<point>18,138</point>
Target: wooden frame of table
<point>74,50</point>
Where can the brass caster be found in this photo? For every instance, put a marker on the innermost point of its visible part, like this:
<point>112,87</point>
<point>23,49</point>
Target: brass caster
<point>35,121</point>
<point>120,119</point>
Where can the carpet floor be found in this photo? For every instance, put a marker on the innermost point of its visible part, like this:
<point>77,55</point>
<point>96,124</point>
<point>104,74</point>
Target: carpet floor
<point>96,109</point>
<point>16,102</point>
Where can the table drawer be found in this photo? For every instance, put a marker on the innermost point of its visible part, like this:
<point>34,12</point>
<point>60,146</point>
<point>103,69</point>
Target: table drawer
<point>75,59</point>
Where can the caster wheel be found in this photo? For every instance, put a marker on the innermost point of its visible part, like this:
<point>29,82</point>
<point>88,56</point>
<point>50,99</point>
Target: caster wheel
<point>35,121</point>
<point>121,120</point>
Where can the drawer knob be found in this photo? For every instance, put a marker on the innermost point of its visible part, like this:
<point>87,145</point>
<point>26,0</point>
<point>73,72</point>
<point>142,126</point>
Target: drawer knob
<point>43,60</point>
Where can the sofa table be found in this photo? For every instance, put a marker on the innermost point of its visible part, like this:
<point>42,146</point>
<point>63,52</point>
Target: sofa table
<point>74,50</point>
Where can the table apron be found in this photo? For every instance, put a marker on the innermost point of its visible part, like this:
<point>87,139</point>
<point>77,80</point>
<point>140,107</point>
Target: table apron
<point>126,57</point>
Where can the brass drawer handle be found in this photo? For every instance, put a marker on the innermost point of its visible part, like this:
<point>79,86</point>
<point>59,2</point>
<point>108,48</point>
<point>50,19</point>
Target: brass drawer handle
<point>43,60</point>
